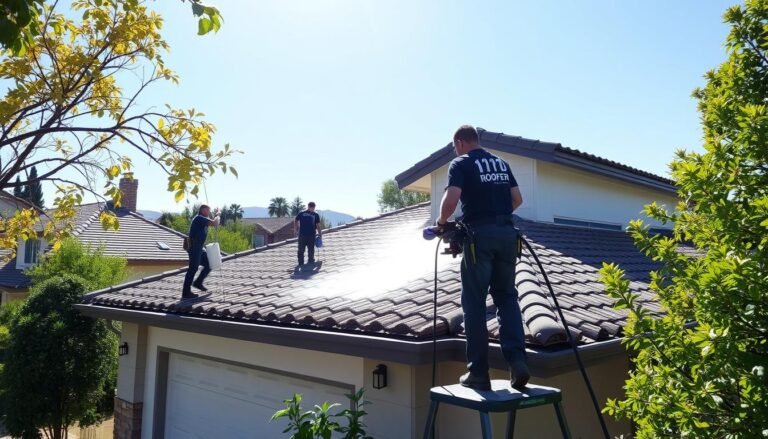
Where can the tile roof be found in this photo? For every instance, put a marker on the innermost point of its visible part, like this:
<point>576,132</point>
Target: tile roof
<point>10,276</point>
<point>376,278</point>
<point>537,149</point>
<point>136,240</point>
<point>270,224</point>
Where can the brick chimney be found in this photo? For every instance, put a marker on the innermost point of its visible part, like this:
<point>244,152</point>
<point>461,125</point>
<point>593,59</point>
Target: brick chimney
<point>130,189</point>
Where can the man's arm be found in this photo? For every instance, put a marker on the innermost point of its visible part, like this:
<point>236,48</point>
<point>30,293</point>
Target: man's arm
<point>317,224</point>
<point>296,226</point>
<point>214,222</point>
<point>517,198</point>
<point>448,204</point>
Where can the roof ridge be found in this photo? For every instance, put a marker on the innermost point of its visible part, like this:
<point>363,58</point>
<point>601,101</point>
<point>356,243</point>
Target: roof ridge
<point>80,229</point>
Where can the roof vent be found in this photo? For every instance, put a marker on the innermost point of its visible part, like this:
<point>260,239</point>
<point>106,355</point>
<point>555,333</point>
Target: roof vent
<point>162,246</point>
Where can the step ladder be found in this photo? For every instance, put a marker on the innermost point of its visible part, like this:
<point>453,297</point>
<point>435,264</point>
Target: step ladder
<point>501,398</point>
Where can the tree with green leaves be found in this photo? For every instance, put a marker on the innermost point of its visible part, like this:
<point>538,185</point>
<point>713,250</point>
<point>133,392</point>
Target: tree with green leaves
<point>700,368</point>
<point>297,206</point>
<point>278,207</point>
<point>57,363</point>
<point>89,263</point>
<point>72,109</point>
<point>236,211</point>
<point>19,25</point>
<point>18,190</point>
<point>33,192</point>
<point>392,197</point>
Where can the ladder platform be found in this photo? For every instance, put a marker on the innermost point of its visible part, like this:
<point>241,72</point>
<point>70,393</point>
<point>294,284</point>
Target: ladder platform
<point>501,398</point>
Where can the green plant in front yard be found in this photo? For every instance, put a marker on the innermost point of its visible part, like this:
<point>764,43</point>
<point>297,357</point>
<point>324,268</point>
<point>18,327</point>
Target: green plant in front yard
<point>57,362</point>
<point>700,368</point>
<point>319,424</point>
<point>88,263</point>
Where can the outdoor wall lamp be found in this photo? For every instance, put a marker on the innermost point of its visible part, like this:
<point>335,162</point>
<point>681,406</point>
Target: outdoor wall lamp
<point>380,377</point>
<point>123,349</point>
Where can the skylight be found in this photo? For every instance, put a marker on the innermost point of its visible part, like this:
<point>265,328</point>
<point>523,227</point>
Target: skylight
<point>162,246</point>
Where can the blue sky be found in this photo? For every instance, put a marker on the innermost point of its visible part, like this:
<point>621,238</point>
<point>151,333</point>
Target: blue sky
<point>329,98</point>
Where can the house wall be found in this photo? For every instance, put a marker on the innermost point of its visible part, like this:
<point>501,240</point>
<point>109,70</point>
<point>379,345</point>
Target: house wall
<point>551,190</point>
<point>141,270</point>
<point>12,294</point>
<point>571,193</point>
<point>340,368</point>
<point>397,411</point>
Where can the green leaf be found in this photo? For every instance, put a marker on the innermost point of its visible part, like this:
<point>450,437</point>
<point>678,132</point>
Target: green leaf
<point>204,25</point>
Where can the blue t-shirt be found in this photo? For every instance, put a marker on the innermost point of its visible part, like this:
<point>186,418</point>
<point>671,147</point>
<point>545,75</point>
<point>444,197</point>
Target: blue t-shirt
<point>198,230</point>
<point>485,181</point>
<point>308,222</point>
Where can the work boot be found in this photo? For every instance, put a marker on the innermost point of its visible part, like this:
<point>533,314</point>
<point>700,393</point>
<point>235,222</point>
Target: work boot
<point>519,375</point>
<point>189,295</point>
<point>199,286</point>
<point>475,382</point>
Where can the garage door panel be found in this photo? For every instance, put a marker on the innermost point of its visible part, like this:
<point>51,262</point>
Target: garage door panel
<point>207,398</point>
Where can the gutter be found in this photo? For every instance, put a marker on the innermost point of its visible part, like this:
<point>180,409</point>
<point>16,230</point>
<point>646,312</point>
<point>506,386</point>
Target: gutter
<point>412,352</point>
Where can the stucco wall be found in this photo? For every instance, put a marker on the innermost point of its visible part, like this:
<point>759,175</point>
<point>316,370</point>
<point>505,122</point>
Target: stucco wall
<point>141,270</point>
<point>399,410</point>
<point>551,190</point>
<point>340,368</point>
<point>571,193</point>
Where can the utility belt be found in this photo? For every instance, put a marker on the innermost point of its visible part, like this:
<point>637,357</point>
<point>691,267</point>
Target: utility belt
<point>460,233</point>
<point>499,220</point>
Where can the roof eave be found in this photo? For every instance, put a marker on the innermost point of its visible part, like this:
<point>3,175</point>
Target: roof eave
<point>412,352</point>
<point>574,161</point>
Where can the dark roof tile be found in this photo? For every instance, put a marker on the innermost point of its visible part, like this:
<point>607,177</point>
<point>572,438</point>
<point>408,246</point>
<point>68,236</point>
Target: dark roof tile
<point>377,278</point>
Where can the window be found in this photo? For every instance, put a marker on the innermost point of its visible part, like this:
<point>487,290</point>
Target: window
<point>31,251</point>
<point>259,241</point>
<point>587,224</point>
<point>162,246</point>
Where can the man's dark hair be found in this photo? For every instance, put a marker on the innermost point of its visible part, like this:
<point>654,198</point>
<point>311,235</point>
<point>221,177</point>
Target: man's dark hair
<point>203,206</point>
<point>466,133</point>
<point>311,204</point>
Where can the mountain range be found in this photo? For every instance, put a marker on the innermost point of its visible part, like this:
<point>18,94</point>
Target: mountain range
<point>335,218</point>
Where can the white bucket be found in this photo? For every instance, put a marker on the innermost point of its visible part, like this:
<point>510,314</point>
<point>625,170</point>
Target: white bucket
<point>213,252</point>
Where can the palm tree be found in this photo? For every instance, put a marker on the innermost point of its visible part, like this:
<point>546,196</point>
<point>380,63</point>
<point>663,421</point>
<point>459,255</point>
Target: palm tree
<point>278,207</point>
<point>236,211</point>
<point>297,206</point>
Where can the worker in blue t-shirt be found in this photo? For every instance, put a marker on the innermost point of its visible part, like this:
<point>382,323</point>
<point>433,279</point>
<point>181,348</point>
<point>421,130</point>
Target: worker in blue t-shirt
<point>489,193</point>
<point>198,232</point>
<point>306,224</point>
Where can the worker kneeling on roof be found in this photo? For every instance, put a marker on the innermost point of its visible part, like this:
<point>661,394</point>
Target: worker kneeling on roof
<point>489,193</point>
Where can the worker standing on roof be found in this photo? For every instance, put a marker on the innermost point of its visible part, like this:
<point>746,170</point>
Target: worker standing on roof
<point>198,232</point>
<point>306,224</point>
<point>489,194</point>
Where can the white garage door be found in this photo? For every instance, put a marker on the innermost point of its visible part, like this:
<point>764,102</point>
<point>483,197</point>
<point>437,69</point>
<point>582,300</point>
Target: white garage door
<point>210,399</point>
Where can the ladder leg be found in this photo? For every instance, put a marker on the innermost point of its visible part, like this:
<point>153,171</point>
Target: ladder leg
<point>561,421</point>
<point>485,424</point>
<point>429,430</point>
<point>511,424</point>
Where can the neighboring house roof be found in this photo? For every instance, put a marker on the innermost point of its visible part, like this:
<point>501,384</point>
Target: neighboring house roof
<point>10,276</point>
<point>270,224</point>
<point>376,279</point>
<point>137,240</point>
<point>16,200</point>
<point>545,151</point>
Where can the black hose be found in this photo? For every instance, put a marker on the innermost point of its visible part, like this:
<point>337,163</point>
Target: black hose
<point>570,340</point>
<point>434,320</point>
